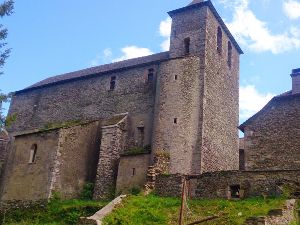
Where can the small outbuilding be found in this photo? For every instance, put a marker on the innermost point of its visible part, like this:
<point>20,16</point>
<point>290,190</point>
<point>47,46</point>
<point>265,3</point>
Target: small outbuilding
<point>272,135</point>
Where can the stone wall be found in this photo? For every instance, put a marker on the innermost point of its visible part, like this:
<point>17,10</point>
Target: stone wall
<point>113,144</point>
<point>272,138</point>
<point>179,84</point>
<point>221,102</point>
<point>86,99</point>
<point>132,172</point>
<point>76,159</point>
<point>3,153</point>
<point>66,159</point>
<point>188,24</point>
<point>285,216</point>
<point>30,181</point>
<point>218,184</point>
<point>169,185</point>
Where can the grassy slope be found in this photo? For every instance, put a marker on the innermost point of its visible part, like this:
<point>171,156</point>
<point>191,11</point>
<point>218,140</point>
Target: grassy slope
<point>56,213</point>
<point>137,210</point>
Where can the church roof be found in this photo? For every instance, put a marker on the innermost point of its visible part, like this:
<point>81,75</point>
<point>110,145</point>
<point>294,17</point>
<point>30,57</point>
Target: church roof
<point>98,70</point>
<point>202,3</point>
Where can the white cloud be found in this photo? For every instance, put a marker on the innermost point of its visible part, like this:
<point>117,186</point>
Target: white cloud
<point>165,31</point>
<point>105,57</point>
<point>255,34</point>
<point>295,31</point>
<point>291,8</point>
<point>132,51</point>
<point>251,101</point>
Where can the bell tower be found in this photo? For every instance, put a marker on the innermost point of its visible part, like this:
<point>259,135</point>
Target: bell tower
<point>197,105</point>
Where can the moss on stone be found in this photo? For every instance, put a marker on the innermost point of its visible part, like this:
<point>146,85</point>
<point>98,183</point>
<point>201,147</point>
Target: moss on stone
<point>137,150</point>
<point>53,126</point>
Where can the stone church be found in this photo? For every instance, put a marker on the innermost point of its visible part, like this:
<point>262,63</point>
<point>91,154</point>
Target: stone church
<point>108,124</point>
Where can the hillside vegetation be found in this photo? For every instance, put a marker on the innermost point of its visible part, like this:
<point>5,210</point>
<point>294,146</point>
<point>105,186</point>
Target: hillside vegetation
<point>141,210</point>
<point>137,210</point>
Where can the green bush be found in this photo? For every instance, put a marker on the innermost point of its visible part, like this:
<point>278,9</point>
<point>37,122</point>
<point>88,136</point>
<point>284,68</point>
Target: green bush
<point>135,190</point>
<point>87,191</point>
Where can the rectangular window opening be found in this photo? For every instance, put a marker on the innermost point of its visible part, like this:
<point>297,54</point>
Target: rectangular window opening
<point>133,171</point>
<point>187,42</point>
<point>175,120</point>
<point>176,77</point>
<point>33,151</point>
<point>112,83</point>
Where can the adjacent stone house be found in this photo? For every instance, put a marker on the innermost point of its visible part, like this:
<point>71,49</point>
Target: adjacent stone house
<point>272,135</point>
<point>77,127</point>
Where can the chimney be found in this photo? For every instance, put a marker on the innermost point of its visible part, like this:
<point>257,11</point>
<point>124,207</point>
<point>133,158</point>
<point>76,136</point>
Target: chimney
<point>295,81</point>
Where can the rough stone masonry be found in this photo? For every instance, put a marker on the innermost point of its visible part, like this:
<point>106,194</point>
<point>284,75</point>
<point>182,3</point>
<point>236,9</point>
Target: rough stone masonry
<point>183,103</point>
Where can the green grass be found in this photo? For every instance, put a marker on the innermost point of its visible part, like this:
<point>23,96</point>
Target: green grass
<point>137,210</point>
<point>56,213</point>
<point>140,210</point>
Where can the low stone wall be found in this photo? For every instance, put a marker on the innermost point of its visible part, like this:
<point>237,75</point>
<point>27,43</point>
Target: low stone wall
<point>283,216</point>
<point>18,204</point>
<point>222,184</point>
<point>169,185</point>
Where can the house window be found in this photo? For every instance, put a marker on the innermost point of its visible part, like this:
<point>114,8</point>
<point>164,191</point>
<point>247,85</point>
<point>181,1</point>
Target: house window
<point>112,83</point>
<point>175,120</point>
<point>187,42</point>
<point>175,77</point>
<point>32,155</point>
<point>133,171</point>
<point>219,40</point>
<point>150,75</point>
<point>229,57</point>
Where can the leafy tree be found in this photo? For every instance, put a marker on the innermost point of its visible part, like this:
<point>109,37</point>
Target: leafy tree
<point>6,9</point>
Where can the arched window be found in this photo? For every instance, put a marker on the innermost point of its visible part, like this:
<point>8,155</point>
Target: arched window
<point>187,43</point>
<point>33,151</point>
<point>219,40</point>
<point>229,57</point>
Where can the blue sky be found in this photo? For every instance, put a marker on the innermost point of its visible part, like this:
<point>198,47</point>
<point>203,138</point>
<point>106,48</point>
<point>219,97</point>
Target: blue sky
<point>53,37</point>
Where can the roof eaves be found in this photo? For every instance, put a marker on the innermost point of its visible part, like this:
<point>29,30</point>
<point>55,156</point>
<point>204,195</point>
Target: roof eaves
<point>92,74</point>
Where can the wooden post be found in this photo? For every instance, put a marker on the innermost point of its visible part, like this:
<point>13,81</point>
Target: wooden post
<point>182,202</point>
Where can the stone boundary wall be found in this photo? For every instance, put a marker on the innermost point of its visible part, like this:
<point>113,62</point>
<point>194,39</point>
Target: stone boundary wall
<point>20,204</point>
<point>218,184</point>
<point>286,215</point>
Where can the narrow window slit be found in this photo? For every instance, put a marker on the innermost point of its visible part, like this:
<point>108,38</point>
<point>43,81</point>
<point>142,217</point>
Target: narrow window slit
<point>187,42</point>
<point>112,83</point>
<point>229,57</point>
<point>150,75</point>
<point>33,151</point>
<point>219,40</point>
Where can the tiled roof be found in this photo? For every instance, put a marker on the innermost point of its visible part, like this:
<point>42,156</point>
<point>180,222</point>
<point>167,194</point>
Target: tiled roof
<point>98,70</point>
